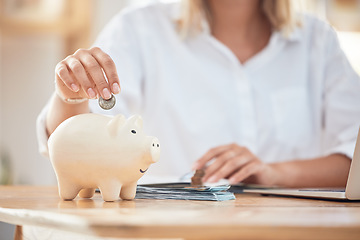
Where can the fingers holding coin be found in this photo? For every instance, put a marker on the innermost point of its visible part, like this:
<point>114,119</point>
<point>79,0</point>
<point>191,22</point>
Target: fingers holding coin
<point>88,73</point>
<point>107,100</point>
<point>109,70</point>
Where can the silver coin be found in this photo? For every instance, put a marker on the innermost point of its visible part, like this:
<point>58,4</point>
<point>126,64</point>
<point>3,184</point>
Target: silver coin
<point>107,104</point>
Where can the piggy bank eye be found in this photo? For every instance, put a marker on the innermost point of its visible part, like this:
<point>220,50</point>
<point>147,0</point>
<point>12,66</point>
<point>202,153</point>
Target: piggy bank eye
<point>133,131</point>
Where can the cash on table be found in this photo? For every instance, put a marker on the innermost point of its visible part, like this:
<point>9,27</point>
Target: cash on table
<point>184,191</point>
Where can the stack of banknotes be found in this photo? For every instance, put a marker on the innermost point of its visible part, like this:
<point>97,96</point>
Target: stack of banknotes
<point>184,191</point>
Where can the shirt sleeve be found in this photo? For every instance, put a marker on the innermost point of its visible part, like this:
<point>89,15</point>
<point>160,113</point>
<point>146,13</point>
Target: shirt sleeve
<point>341,100</point>
<point>118,39</point>
<point>41,133</point>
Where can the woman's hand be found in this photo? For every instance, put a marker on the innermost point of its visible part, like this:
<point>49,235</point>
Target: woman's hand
<point>235,163</point>
<point>82,75</point>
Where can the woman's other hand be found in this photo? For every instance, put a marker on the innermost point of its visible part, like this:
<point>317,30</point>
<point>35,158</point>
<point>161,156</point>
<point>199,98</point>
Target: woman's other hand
<point>88,73</point>
<point>235,163</point>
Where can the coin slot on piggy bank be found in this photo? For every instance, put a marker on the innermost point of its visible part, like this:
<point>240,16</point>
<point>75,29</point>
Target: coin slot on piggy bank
<point>90,151</point>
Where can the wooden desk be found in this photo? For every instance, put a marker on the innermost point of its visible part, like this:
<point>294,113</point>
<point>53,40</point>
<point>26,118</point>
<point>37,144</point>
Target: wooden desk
<point>247,217</point>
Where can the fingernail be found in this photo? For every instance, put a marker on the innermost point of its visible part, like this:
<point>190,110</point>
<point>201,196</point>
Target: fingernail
<point>116,88</point>
<point>74,87</point>
<point>106,93</point>
<point>232,181</point>
<point>91,93</point>
<point>195,166</point>
<point>212,179</point>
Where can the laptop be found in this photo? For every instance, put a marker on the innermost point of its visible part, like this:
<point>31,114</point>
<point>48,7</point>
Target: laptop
<point>351,192</point>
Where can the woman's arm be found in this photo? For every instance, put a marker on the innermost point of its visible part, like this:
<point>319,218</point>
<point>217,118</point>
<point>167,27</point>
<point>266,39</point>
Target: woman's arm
<point>59,111</point>
<point>238,164</point>
<point>328,171</point>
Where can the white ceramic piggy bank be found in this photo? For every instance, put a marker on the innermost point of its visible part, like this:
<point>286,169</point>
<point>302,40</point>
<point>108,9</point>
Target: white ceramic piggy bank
<point>90,151</point>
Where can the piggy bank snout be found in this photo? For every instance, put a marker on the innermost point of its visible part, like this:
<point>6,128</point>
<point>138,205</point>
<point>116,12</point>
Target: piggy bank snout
<point>155,149</point>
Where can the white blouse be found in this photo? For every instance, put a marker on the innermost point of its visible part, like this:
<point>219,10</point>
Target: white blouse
<point>298,98</point>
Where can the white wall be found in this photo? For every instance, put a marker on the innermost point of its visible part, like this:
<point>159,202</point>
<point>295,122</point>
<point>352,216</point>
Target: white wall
<point>27,82</point>
<point>27,65</point>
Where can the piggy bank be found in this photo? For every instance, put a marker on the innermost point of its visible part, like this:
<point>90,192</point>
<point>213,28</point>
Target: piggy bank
<point>90,151</point>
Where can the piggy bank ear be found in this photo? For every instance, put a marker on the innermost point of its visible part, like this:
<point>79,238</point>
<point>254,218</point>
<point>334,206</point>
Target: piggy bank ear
<point>136,120</point>
<point>114,124</point>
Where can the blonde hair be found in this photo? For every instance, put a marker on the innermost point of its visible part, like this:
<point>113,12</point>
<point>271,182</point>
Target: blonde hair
<point>280,14</point>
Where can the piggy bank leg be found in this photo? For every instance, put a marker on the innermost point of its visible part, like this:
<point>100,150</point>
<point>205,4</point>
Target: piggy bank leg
<point>87,193</point>
<point>68,190</point>
<point>110,191</point>
<point>128,192</point>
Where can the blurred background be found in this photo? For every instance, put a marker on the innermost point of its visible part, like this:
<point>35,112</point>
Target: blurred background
<point>36,34</point>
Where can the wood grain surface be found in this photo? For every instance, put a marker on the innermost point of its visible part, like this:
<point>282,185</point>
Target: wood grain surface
<point>248,217</point>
